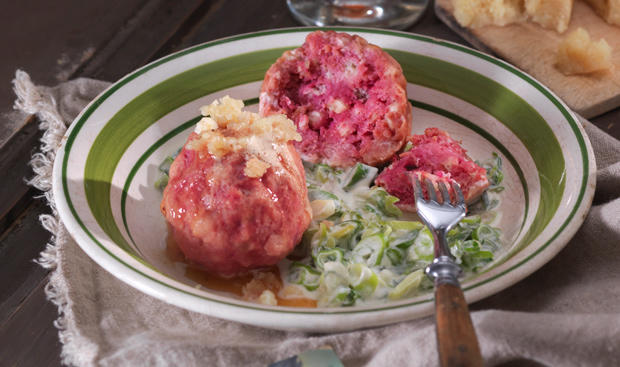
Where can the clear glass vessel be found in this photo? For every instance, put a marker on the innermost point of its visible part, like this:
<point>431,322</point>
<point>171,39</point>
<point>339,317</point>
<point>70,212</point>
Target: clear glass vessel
<point>396,14</point>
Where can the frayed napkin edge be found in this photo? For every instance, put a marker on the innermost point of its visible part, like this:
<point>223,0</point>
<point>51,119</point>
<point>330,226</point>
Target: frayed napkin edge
<point>31,101</point>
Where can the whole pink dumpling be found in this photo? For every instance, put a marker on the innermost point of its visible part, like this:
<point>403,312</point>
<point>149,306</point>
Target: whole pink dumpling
<point>237,211</point>
<point>347,98</point>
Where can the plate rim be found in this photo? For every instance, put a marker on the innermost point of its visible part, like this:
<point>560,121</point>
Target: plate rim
<point>564,232</point>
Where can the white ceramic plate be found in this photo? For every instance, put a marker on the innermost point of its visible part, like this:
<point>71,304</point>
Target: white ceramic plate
<point>104,172</point>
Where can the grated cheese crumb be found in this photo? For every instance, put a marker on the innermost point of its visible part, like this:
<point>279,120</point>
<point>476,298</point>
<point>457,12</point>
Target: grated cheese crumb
<point>226,128</point>
<point>255,167</point>
<point>205,124</point>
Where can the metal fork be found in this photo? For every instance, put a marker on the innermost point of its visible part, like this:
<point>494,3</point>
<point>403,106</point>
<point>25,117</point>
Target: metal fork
<point>456,339</point>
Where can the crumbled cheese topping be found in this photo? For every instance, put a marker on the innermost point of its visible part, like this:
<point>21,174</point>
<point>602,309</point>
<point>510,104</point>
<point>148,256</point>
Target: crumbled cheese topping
<point>255,167</point>
<point>226,128</point>
<point>205,124</point>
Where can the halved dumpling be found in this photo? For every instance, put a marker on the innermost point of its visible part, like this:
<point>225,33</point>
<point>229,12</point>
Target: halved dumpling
<point>437,156</point>
<point>347,98</point>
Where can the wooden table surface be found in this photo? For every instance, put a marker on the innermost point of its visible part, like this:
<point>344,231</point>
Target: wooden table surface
<point>59,40</point>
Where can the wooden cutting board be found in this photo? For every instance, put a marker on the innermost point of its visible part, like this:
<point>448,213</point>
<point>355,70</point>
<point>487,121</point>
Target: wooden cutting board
<point>533,49</point>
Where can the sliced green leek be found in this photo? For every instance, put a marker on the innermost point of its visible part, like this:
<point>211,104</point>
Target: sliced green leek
<point>364,250</point>
<point>408,286</point>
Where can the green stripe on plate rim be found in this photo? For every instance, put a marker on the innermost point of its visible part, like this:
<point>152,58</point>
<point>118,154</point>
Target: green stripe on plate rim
<point>93,106</point>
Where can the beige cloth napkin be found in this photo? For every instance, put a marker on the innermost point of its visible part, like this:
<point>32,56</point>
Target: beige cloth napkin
<point>565,314</point>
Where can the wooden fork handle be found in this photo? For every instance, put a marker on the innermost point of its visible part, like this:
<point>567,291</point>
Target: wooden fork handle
<point>456,338</point>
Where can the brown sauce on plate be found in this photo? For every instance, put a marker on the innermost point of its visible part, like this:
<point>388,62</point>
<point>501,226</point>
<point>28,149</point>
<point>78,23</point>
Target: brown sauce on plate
<point>247,286</point>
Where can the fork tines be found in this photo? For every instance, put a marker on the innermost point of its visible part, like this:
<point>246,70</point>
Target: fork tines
<point>437,184</point>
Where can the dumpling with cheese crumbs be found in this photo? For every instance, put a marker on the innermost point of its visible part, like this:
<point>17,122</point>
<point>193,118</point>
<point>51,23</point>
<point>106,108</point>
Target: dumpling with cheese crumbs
<point>236,198</point>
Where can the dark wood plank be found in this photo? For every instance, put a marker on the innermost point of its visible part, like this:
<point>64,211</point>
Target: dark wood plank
<point>228,18</point>
<point>29,338</point>
<point>11,122</point>
<point>19,246</point>
<point>153,32</point>
<point>50,39</point>
<point>15,194</point>
<point>430,25</point>
<point>26,318</point>
<point>257,15</point>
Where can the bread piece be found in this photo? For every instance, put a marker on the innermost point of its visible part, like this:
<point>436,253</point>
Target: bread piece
<point>578,54</point>
<point>551,14</point>
<point>478,13</point>
<point>607,9</point>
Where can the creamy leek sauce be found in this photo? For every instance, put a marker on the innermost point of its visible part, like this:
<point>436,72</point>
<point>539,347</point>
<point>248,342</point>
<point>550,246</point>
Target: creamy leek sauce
<point>359,249</point>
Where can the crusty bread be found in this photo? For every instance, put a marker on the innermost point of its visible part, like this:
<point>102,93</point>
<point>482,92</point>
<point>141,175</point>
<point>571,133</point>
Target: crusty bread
<point>607,9</point>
